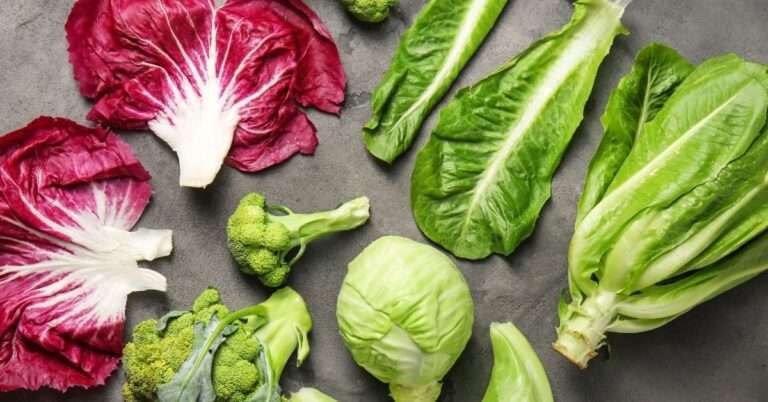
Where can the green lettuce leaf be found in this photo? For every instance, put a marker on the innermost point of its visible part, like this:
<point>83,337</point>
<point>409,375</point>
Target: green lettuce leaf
<point>431,54</point>
<point>480,182</point>
<point>657,72</point>
<point>682,186</point>
<point>678,297</point>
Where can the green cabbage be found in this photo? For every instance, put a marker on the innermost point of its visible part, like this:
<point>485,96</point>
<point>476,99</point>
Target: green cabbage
<point>405,313</point>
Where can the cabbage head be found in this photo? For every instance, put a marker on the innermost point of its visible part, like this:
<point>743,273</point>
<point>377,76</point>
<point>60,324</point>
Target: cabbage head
<point>405,313</point>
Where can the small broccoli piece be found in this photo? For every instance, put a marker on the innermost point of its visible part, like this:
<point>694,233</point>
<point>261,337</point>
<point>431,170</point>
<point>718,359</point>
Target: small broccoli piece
<point>235,374</point>
<point>153,358</point>
<point>155,355</point>
<point>267,245</point>
<point>369,10</point>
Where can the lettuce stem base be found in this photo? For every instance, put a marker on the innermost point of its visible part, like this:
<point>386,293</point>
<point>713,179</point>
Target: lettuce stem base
<point>583,333</point>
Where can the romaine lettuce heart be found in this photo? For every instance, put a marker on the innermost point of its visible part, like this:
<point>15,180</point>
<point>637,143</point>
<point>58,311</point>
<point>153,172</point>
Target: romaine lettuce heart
<point>68,197</point>
<point>674,207</point>
<point>214,82</point>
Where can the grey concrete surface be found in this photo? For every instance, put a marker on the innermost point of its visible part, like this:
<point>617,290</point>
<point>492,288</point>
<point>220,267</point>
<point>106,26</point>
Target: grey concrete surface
<point>716,353</point>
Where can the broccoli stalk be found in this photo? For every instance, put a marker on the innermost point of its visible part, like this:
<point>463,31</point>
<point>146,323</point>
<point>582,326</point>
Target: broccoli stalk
<point>210,354</point>
<point>267,245</point>
<point>369,10</point>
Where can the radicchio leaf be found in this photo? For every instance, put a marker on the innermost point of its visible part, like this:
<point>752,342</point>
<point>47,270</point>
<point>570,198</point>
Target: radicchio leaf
<point>214,82</point>
<point>68,197</point>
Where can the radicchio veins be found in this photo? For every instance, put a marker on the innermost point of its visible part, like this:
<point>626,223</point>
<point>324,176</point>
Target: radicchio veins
<point>69,196</point>
<point>214,81</point>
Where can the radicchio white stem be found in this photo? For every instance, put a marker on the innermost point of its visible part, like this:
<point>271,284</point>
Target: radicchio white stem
<point>144,244</point>
<point>200,128</point>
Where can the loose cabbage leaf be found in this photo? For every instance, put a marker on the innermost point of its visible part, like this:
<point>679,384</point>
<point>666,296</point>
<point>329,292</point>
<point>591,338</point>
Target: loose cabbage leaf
<point>431,54</point>
<point>69,196</point>
<point>480,182</point>
<point>214,82</point>
<point>517,371</point>
<point>682,216</point>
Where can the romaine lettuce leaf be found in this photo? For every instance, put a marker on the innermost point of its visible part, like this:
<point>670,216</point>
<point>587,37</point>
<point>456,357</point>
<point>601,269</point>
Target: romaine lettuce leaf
<point>431,54</point>
<point>485,173</point>
<point>657,73</point>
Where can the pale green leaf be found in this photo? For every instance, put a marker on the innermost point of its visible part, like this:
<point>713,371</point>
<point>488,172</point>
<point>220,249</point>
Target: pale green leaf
<point>192,383</point>
<point>517,371</point>
<point>681,295</point>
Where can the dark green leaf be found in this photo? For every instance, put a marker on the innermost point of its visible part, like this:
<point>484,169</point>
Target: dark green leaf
<point>432,53</point>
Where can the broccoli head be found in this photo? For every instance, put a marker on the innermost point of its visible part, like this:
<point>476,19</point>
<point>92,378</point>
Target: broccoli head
<point>219,355</point>
<point>267,244</point>
<point>369,10</point>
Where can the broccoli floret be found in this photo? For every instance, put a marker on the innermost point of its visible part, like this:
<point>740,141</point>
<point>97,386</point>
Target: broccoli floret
<point>267,245</point>
<point>156,354</point>
<point>235,373</point>
<point>369,10</point>
<point>153,358</point>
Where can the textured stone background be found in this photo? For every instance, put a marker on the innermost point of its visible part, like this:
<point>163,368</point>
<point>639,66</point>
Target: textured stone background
<point>718,352</point>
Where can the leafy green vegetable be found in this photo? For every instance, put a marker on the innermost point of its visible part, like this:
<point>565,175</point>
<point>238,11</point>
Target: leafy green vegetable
<point>405,313</point>
<point>517,372</point>
<point>310,395</point>
<point>480,182</point>
<point>262,242</point>
<point>656,74</point>
<point>369,10</point>
<point>211,354</point>
<point>677,215</point>
<point>431,54</point>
